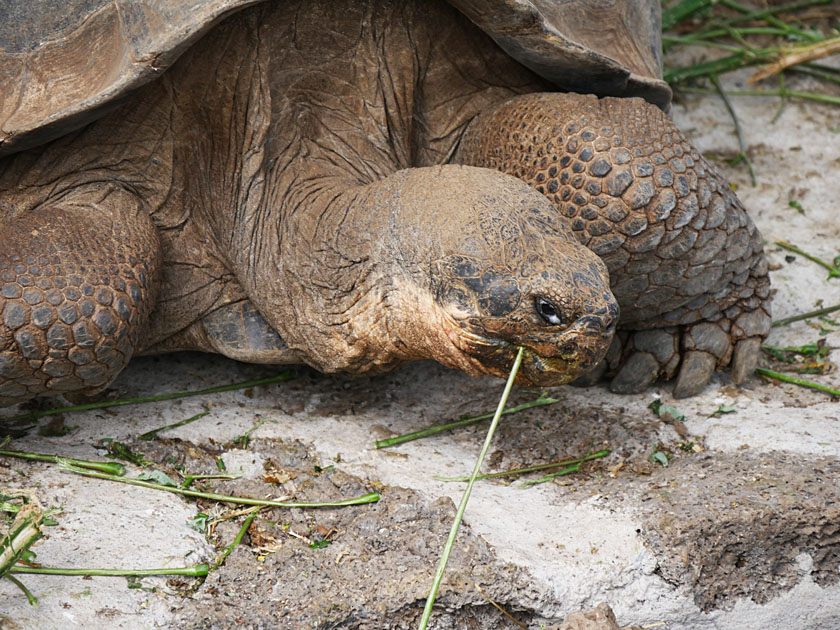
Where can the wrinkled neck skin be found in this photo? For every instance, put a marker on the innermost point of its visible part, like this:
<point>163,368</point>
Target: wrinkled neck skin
<point>354,275</point>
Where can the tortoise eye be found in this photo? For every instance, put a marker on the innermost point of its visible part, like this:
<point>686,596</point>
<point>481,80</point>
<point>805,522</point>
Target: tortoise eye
<point>548,311</point>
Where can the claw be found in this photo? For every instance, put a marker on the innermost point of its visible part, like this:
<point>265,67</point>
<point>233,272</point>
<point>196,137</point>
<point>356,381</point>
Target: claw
<point>696,370</point>
<point>745,359</point>
<point>639,372</point>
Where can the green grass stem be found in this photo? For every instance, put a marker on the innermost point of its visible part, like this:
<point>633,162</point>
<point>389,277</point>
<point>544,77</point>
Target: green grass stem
<point>808,315</point>
<point>797,381</point>
<point>459,515</point>
<point>463,422</point>
<point>833,272</point>
<point>682,11</point>
<point>198,570</point>
<point>151,435</point>
<point>786,93</point>
<point>104,404</point>
<point>371,497</point>
<point>33,601</point>
<point>236,541</point>
<point>111,468</point>
<point>530,469</point>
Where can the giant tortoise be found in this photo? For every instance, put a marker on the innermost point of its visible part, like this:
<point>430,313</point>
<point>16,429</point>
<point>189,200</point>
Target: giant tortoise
<point>353,184</point>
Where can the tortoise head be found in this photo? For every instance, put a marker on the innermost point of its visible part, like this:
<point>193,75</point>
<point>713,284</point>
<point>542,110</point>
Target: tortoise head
<point>509,272</point>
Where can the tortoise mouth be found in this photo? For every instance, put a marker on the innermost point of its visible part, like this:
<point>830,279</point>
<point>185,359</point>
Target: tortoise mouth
<point>548,358</point>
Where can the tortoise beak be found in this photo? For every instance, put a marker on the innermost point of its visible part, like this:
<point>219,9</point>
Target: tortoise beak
<point>551,358</point>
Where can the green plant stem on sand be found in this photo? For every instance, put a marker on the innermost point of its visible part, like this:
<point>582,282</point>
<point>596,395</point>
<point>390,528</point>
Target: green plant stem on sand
<point>236,541</point>
<point>198,570</point>
<point>833,272</point>
<point>34,415</point>
<point>808,315</point>
<point>463,422</point>
<point>786,93</point>
<point>371,497</point>
<point>151,435</point>
<point>530,469</point>
<point>111,468</point>
<point>33,601</point>
<point>797,381</point>
<point>459,515</point>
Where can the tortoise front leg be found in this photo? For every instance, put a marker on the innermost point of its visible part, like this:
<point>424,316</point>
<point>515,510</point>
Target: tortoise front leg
<point>78,278</point>
<point>685,260</point>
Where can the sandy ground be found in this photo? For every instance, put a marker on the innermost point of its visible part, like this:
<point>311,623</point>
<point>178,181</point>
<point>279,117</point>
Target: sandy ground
<point>740,531</point>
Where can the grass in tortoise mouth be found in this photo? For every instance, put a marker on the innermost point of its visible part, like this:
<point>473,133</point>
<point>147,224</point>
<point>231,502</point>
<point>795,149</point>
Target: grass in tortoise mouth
<point>459,515</point>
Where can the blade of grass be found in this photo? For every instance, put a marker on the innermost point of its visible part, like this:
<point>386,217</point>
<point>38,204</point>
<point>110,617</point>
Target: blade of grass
<point>683,11</point>
<point>33,601</point>
<point>560,473</point>
<point>797,381</point>
<point>530,469</point>
<point>151,435</point>
<point>833,272</point>
<point>807,96</point>
<point>236,541</point>
<point>720,66</point>
<point>34,415</point>
<point>808,315</point>
<point>371,497</point>
<point>770,18</point>
<point>111,468</point>
<point>198,570</point>
<point>463,422</point>
<point>459,515</point>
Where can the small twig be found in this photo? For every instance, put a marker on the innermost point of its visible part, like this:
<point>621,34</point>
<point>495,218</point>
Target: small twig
<point>463,422</point>
<point>796,56</point>
<point>151,435</point>
<point>111,468</point>
<point>459,515</point>
<point>499,608</point>
<point>808,315</point>
<point>371,497</point>
<point>34,415</point>
<point>833,272</point>
<point>742,155</point>
<point>797,381</point>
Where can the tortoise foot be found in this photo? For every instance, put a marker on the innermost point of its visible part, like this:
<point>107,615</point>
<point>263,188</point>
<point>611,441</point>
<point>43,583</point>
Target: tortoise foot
<point>690,354</point>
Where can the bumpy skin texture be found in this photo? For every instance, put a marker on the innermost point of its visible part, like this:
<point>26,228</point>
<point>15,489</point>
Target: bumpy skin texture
<point>299,215</point>
<point>684,257</point>
<point>73,300</point>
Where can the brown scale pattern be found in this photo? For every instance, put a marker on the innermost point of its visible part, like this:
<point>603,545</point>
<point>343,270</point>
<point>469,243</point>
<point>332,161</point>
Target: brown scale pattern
<point>679,246</point>
<point>71,308</point>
